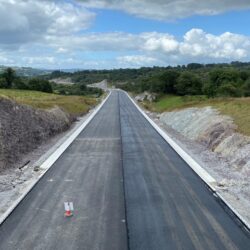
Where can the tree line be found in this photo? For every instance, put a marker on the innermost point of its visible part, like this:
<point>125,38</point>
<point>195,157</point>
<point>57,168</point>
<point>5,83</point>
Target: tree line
<point>10,80</point>
<point>229,82</point>
<point>193,79</point>
<point>224,79</point>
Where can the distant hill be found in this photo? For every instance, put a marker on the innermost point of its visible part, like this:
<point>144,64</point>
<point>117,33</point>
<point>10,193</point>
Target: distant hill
<point>27,71</point>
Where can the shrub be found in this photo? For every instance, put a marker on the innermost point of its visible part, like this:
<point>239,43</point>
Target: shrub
<point>3,83</point>
<point>246,88</point>
<point>40,85</point>
<point>228,89</point>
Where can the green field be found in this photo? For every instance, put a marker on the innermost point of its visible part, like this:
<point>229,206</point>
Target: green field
<point>237,108</point>
<point>75,105</point>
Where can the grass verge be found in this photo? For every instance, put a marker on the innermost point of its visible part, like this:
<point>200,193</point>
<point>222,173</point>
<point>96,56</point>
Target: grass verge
<point>237,108</point>
<point>75,105</point>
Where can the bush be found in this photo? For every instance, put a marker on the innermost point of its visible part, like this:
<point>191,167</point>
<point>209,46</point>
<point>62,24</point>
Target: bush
<point>40,85</point>
<point>246,88</point>
<point>228,89</point>
<point>209,89</point>
<point>19,84</point>
<point>3,83</point>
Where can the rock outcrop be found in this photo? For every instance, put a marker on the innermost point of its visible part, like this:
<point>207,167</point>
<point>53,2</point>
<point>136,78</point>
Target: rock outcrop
<point>145,96</point>
<point>217,132</point>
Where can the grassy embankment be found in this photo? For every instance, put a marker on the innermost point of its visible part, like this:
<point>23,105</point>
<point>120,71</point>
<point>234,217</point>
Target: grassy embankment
<point>237,108</point>
<point>75,105</point>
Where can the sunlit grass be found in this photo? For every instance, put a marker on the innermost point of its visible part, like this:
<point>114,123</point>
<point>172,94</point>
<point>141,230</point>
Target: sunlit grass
<point>237,108</point>
<point>75,105</point>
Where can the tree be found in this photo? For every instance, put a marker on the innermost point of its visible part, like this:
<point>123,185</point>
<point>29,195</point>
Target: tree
<point>40,85</point>
<point>195,66</point>
<point>19,83</point>
<point>219,77</point>
<point>228,89</point>
<point>209,89</point>
<point>188,84</point>
<point>225,82</point>
<point>9,75</point>
<point>169,79</point>
<point>3,83</point>
<point>246,88</point>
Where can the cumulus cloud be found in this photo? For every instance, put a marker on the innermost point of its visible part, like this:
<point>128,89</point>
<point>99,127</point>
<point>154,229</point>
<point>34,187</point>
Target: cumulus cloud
<point>115,41</point>
<point>195,45</point>
<point>135,50</point>
<point>199,44</point>
<point>169,9</point>
<point>25,21</point>
<point>137,61</point>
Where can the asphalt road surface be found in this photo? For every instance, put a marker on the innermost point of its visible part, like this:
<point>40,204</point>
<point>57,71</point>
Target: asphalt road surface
<point>130,191</point>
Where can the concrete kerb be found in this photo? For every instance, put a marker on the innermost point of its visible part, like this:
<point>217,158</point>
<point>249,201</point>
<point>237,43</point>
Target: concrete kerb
<point>47,164</point>
<point>206,177</point>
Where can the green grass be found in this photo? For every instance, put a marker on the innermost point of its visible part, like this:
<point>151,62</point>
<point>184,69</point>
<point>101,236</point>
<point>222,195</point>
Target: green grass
<point>75,105</point>
<point>237,108</point>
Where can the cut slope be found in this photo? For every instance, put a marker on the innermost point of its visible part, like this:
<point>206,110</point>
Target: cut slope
<point>23,128</point>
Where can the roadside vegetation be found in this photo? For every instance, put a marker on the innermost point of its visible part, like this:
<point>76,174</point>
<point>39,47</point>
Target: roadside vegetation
<point>196,79</point>
<point>75,99</point>
<point>212,80</point>
<point>237,108</point>
<point>75,105</point>
<point>223,86</point>
<point>10,80</point>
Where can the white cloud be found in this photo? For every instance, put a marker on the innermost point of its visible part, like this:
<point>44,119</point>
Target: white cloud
<point>159,42</point>
<point>5,60</point>
<point>169,9</point>
<point>137,61</point>
<point>26,21</point>
<point>195,45</point>
<point>227,46</point>
<point>39,60</point>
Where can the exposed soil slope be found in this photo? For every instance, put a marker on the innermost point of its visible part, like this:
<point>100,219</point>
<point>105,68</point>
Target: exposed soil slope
<point>215,131</point>
<point>23,129</point>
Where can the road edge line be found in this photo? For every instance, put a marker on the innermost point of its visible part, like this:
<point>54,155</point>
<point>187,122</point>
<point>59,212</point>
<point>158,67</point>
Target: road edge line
<point>202,173</point>
<point>206,177</point>
<point>47,164</point>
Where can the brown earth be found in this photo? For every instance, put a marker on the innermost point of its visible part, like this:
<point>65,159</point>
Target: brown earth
<point>23,129</point>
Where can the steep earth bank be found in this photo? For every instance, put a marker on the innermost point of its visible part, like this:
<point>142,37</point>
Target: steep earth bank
<point>23,129</point>
<point>215,132</point>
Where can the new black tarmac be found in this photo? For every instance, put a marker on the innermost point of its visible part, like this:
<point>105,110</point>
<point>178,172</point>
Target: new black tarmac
<point>130,191</point>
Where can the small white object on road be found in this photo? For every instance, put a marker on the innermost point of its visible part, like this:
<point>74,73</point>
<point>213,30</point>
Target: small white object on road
<point>69,208</point>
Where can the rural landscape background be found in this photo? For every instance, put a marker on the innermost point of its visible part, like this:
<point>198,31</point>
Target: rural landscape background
<point>185,63</point>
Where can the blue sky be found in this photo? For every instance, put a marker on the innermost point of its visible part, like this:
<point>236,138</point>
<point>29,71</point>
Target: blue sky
<point>233,21</point>
<point>123,33</point>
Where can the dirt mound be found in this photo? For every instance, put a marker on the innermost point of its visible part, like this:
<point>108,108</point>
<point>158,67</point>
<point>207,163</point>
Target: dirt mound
<point>23,129</point>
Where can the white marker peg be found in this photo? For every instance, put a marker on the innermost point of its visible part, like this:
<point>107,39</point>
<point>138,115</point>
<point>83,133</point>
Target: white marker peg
<point>68,206</point>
